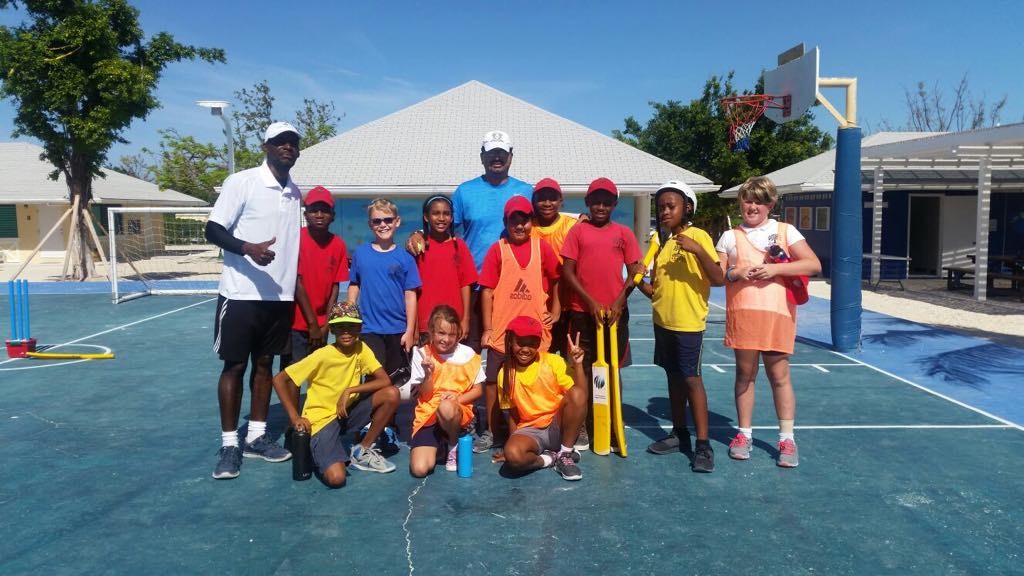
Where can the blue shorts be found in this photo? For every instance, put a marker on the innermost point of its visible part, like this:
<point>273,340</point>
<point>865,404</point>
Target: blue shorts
<point>327,445</point>
<point>678,352</point>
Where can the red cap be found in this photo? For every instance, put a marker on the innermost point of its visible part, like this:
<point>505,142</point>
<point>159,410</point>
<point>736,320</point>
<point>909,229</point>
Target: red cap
<point>524,326</point>
<point>320,194</point>
<point>518,204</point>
<point>602,184</point>
<point>547,184</point>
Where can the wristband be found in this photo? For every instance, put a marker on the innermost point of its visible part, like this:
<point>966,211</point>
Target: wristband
<point>728,274</point>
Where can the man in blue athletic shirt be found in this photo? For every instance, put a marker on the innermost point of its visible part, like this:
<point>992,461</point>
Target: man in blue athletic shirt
<point>478,215</point>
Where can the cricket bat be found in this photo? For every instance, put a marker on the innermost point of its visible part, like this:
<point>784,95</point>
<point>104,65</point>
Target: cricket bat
<point>652,248</point>
<point>600,442</point>
<point>616,391</point>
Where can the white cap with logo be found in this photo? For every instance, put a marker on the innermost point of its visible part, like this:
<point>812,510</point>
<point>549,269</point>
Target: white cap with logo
<point>497,139</point>
<point>278,128</point>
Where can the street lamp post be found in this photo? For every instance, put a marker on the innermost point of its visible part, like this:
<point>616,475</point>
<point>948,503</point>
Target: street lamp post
<point>217,109</point>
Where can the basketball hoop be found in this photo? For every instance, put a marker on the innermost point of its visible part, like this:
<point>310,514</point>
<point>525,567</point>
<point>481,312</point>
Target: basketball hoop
<point>743,111</point>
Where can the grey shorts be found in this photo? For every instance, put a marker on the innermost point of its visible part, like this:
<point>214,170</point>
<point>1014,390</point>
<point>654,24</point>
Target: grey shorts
<point>327,445</point>
<point>549,438</point>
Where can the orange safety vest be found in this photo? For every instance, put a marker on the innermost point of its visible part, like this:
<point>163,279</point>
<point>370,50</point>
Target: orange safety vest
<point>446,377</point>
<point>758,315</point>
<point>520,292</point>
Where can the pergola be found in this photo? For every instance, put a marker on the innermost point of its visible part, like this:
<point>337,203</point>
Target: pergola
<point>983,160</point>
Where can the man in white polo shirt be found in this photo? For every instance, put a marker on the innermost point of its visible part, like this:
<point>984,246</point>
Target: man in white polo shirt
<point>256,222</point>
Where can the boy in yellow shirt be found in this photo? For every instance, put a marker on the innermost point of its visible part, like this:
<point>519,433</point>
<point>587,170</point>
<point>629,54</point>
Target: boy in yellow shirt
<point>685,268</point>
<point>336,401</point>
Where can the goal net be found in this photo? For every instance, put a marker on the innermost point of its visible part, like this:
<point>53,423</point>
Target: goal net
<point>161,251</point>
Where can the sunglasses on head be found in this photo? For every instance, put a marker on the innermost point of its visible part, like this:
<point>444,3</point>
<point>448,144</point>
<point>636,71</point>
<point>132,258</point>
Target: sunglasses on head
<point>378,221</point>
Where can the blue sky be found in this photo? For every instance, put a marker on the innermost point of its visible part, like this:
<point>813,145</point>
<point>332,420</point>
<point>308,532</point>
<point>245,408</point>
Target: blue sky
<point>592,62</point>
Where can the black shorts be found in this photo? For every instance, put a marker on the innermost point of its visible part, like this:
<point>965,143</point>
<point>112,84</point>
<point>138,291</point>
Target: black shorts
<point>582,323</point>
<point>494,361</point>
<point>389,352</point>
<point>476,327</point>
<point>558,333</point>
<point>245,328</point>
<point>678,352</point>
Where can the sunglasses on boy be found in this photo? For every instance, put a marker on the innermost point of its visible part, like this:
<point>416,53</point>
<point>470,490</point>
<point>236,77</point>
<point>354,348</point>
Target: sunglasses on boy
<point>389,220</point>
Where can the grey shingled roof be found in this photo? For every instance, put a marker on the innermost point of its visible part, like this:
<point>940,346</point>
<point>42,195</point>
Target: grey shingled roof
<point>24,180</point>
<point>434,145</point>
<point>817,173</point>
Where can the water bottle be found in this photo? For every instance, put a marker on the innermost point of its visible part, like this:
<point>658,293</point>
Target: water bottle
<point>465,456</point>
<point>302,457</point>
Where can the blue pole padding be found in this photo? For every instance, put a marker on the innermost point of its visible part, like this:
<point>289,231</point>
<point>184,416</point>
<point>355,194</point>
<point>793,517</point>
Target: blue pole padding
<point>847,242</point>
<point>13,305</point>
<point>25,318</point>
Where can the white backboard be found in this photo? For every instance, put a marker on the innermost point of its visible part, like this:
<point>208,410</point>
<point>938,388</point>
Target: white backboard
<point>798,79</point>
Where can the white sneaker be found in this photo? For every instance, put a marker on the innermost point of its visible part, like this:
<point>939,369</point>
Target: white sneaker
<point>370,460</point>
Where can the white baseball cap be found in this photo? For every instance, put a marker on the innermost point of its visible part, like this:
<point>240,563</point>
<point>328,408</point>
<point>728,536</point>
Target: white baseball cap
<point>681,187</point>
<point>278,128</point>
<point>497,139</point>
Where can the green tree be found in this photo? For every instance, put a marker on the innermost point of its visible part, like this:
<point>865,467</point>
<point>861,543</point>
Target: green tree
<point>694,136</point>
<point>192,167</point>
<point>79,72</point>
<point>189,166</point>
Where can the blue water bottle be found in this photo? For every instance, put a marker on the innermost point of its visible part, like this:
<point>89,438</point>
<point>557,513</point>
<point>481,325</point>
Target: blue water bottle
<point>466,456</point>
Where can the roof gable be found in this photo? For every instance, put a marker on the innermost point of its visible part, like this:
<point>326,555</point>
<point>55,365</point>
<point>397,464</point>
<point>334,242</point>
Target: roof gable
<point>26,180</point>
<point>434,145</point>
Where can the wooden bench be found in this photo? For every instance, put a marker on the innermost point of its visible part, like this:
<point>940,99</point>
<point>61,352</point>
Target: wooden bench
<point>1016,281</point>
<point>955,276</point>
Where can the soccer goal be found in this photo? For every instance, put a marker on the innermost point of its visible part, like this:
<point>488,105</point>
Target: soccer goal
<point>161,251</point>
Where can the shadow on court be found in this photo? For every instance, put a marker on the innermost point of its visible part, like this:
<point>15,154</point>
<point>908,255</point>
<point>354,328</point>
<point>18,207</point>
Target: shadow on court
<point>107,470</point>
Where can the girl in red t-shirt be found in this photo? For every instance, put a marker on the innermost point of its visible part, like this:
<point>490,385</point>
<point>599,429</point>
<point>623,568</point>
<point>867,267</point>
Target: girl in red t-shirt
<point>441,253</point>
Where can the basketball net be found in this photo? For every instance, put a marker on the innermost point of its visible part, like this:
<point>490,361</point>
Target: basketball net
<point>743,112</point>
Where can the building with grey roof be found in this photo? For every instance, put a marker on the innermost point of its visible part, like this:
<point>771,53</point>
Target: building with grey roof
<point>31,203</point>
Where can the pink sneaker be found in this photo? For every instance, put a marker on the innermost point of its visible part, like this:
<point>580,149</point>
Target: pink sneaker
<point>739,448</point>
<point>788,456</point>
<point>452,463</point>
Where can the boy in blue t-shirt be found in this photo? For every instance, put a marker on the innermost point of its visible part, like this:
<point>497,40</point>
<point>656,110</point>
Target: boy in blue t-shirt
<point>383,282</point>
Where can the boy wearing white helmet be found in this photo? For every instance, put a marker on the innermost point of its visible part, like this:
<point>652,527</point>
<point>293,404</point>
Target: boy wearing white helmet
<point>684,271</point>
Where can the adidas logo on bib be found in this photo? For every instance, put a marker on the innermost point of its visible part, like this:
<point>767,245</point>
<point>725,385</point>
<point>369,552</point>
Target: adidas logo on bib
<point>520,292</point>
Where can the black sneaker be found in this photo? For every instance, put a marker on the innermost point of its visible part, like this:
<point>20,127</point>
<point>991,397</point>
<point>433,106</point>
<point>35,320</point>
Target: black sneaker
<point>229,459</point>
<point>582,440</point>
<point>565,465</point>
<point>703,458</point>
<point>674,442</point>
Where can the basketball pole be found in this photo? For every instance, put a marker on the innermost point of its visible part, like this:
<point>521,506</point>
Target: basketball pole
<point>846,221</point>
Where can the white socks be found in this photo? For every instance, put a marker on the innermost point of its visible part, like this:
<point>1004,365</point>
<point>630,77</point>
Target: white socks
<point>256,429</point>
<point>748,432</point>
<point>229,439</point>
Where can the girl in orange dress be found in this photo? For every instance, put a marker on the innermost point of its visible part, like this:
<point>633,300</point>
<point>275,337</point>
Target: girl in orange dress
<point>760,322</point>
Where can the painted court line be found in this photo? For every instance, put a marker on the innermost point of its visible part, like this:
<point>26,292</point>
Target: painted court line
<point>933,392</point>
<point>668,427</point>
<point>122,327</point>
<point>716,366</point>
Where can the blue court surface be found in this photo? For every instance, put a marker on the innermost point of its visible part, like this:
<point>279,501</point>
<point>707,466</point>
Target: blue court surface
<point>912,462</point>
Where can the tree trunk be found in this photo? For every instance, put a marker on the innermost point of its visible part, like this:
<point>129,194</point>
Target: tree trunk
<point>80,184</point>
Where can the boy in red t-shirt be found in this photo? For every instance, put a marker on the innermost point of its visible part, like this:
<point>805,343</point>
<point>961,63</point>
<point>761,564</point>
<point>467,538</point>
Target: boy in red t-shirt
<point>323,263</point>
<point>519,278</point>
<point>594,254</point>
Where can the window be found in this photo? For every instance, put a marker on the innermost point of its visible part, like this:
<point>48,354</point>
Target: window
<point>821,216</point>
<point>805,218</point>
<point>8,221</point>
